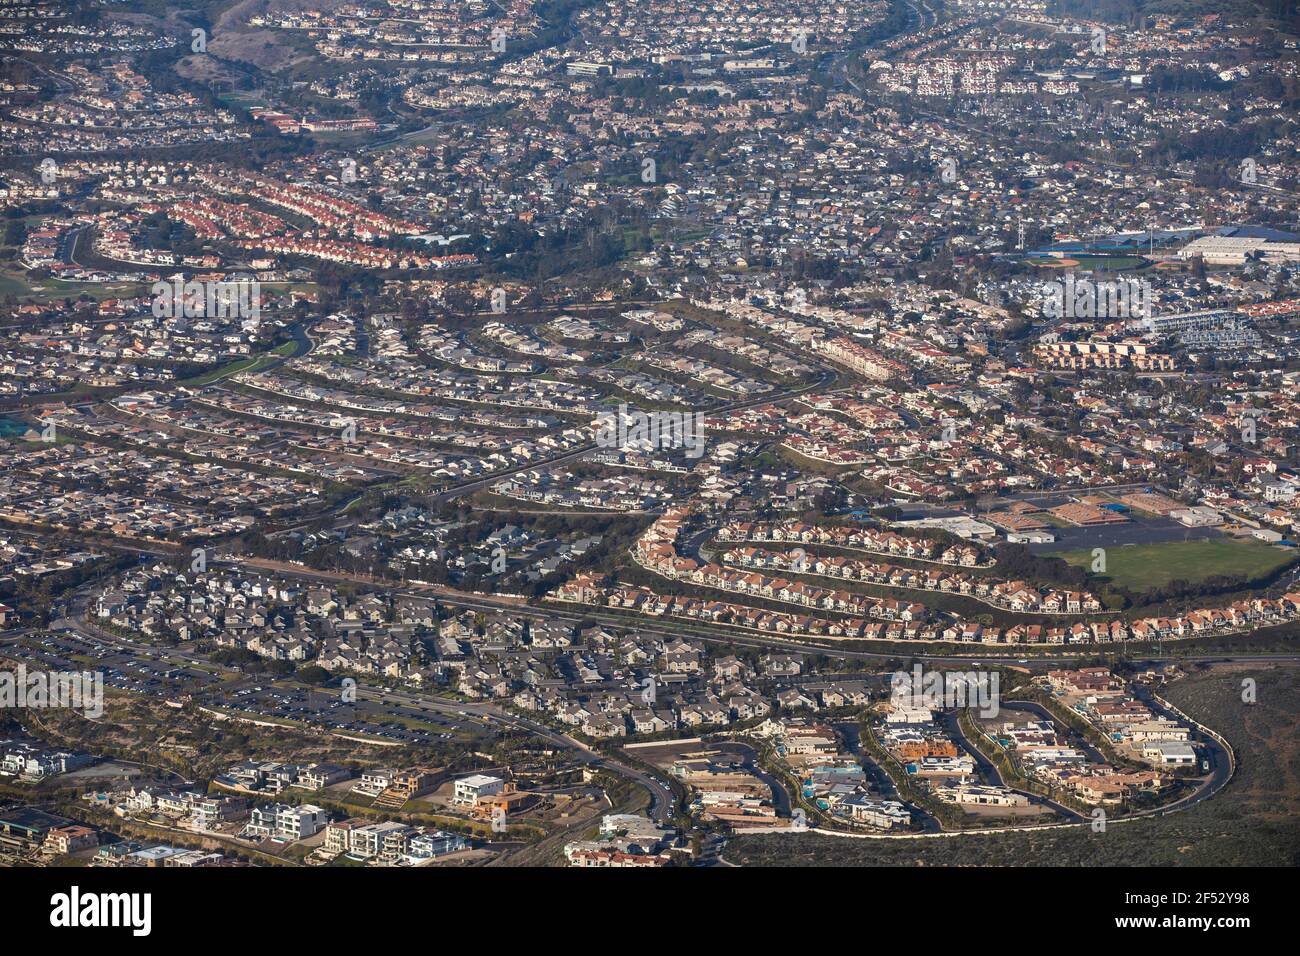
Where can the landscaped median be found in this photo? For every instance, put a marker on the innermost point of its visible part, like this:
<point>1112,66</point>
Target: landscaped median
<point>948,816</point>
<point>1012,775</point>
<point>1035,695</point>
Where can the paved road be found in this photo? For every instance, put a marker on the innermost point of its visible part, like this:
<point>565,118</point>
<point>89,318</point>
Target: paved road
<point>711,851</point>
<point>989,770</point>
<point>1207,786</point>
<point>1042,713</point>
<point>458,491</point>
<point>461,489</point>
<point>780,795</point>
<point>694,629</point>
<point>661,796</point>
<point>1221,762</point>
<point>883,783</point>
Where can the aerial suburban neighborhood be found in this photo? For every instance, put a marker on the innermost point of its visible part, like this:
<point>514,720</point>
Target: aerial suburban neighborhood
<point>584,434</point>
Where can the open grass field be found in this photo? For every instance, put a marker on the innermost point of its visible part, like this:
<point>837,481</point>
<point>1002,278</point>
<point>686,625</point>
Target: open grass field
<point>253,363</point>
<point>15,281</point>
<point>1139,567</point>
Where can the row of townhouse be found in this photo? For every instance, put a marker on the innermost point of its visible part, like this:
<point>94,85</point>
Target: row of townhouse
<point>592,590</point>
<point>865,361</point>
<point>663,559</point>
<point>390,843</point>
<point>1247,613</point>
<point>1011,595</point>
<point>331,211</point>
<point>335,250</point>
<point>862,539</point>
<point>656,551</point>
<point>907,623</point>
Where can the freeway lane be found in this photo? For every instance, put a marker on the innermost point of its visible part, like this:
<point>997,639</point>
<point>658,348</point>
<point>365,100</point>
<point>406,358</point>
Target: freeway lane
<point>695,629</point>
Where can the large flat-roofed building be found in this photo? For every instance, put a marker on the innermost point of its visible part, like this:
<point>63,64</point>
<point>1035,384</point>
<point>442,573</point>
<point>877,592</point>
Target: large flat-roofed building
<point>1200,321</point>
<point>1086,515</point>
<point>1197,517</point>
<point>1170,753</point>
<point>962,526</point>
<point>584,68</point>
<point>970,794</point>
<point>1234,250</point>
<point>27,825</point>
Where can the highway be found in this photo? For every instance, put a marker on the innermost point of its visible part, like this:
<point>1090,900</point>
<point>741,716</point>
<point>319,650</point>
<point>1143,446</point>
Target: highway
<point>1024,657</point>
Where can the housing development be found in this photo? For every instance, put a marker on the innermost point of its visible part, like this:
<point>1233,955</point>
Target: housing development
<point>592,434</point>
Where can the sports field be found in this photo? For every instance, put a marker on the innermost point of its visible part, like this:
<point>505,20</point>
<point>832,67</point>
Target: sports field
<point>1139,567</point>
